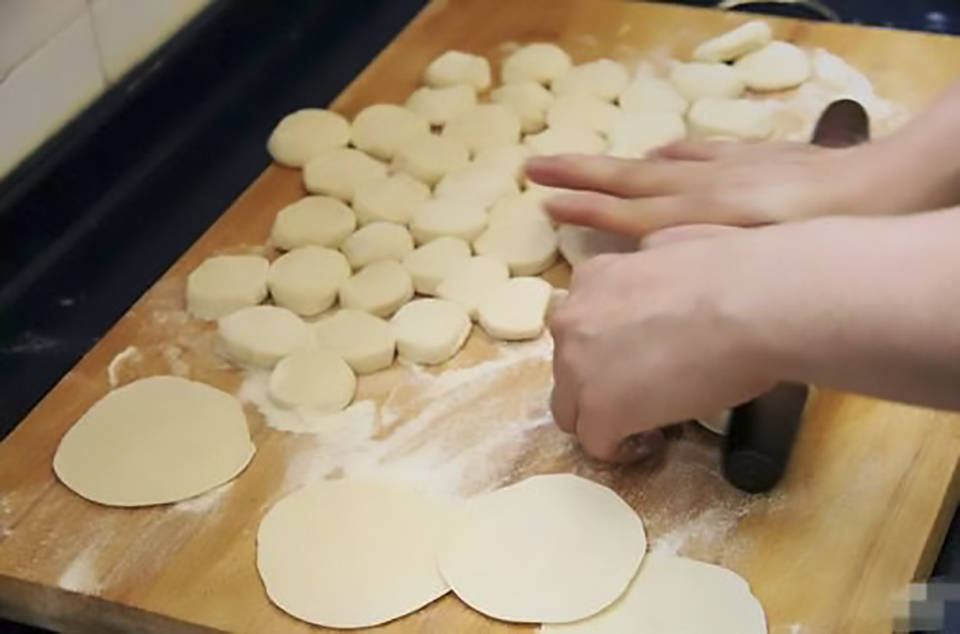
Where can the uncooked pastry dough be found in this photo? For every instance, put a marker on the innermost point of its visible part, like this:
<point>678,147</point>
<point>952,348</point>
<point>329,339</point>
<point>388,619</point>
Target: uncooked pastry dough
<point>509,158</point>
<point>457,67</point>
<point>579,244</point>
<point>340,171</point>
<point>432,262</point>
<point>379,288</point>
<point>470,282</point>
<point>380,129</point>
<point>377,241</point>
<point>484,125</point>
<point>440,105</point>
<point>453,217</point>
<point>318,220</point>
<point>314,378</point>
<point>637,132</point>
<point>572,140</point>
<point>651,93</point>
<point>391,199</point>
<point>582,111</point>
<point>515,309</point>
<point>349,553</point>
<point>261,335</point>
<point>718,422</point>
<point>306,279</point>
<point>541,62</point>
<point>739,118</point>
<point>303,134</point>
<point>776,66</point>
<point>553,548</point>
<point>527,246</point>
<point>603,78</point>
<point>697,80</point>
<point>363,340</point>
<point>529,204</point>
<point>154,441</point>
<point>225,283</point>
<point>676,595</point>
<point>430,330</point>
<point>744,39</point>
<point>429,158</point>
<point>478,184</point>
<point>529,100</point>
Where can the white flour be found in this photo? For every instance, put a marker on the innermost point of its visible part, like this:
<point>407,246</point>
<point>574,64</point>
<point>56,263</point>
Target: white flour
<point>128,353</point>
<point>80,575</point>
<point>204,503</point>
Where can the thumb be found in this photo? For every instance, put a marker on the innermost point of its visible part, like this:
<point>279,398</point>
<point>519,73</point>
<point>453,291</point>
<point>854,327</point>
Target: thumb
<point>684,233</point>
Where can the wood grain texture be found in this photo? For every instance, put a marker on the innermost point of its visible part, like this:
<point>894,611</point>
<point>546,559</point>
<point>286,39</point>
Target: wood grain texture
<point>863,508</point>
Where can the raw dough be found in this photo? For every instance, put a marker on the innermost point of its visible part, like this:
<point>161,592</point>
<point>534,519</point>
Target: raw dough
<point>651,93</point>
<point>484,125</point>
<point>479,184</point>
<point>318,220</point>
<point>739,118</point>
<point>509,158</point>
<point>470,282</point>
<point>315,378</point>
<point>676,595</point>
<point>261,335</point>
<point>718,423</point>
<point>391,199</point>
<point>529,100</point>
<point>224,283</point>
<point>303,134</point>
<point>379,288</point>
<point>744,39</point>
<point>349,553</point>
<point>454,217</point>
<point>697,80</point>
<point>603,78</point>
<point>306,279</point>
<point>582,111</point>
<point>154,441</point>
<point>527,246</point>
<point>430,330</point>
<point>380,129</point>
<point>541,62</point>
<point>340,171</point>
<point>553,548</point>
<point>363,340</point>
<point>529,204</point>
<point>456,67</point>
<point>432,262</point>
<point>776,66</point>
<point>430,157</point>
<point>515,309</point>
<point>440,105</point>
<point>572,140</point>
<point>637,132</point>
<point>578,244</point>
<point>377,241</point>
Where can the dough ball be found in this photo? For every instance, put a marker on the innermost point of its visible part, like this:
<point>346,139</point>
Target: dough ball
<point>482,185</point>
<point>430,330</point>
<point>651,93</point>
<point>636,133</point>
<point>697,80</point>
<point>261,335</point>
<point>377,241</point>
<point>470,282</point>
<point>314,378</point>
<point>318,220</point>
<point>776,66</point>
<point>744,39</point>
<point>515,310</point>
<point>528,100</point>
<point>380,129</point>
<point>572,140</point>
<point>528,205</point>
<point>602,78</point>
<point>379,288</point>
<point>340,171</point>
<point>157,440</point>
<point>456,67</point>
<point>224,283</point>
<point>526,246</point>
<point>540,62</point>
<point>579,244</point>
<point>453,217</point>
<point>430,157</point>
<point>364,341</point>
<point>582,111</point>
<point>429,264</point>
<point>738,118</point>
<point>483,126</point>
<point>306,279</point>
<point>391,199</point>
<point>509,158</point>
<point>348,553</point>
<point>499,559</point>
<point>440,105</point>
<point>303,134</point>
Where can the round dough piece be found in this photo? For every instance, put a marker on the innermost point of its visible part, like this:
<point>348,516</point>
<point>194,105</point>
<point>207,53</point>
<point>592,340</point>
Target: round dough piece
<point>430,330</point>
<point>651,93</point>
<point>744,39</point>
<point>739,118</point>
<point>380,129</point>
<point>718,422</point>
<point>303,134</point>
<point>157,440</point>
<point>457,67</point>
<point>306,279</point>
<point>603,78</point>
<point>509,158</point>
<point>776,66</point>
<point>440,105</point>
<point>391,199</point>
<point>225,283</point>
<point>540,62</point>
<point>432,262</point>
<point>470,282</point>
<point>484,125</point>
<point>349,553</point>
<point>313,378</point>
<point>579,244</point>
<point>528,205</point>
<point>452,217</point>
<point>377,241</point>
<point>636,133</point>
<point>515,310</point>
<point>340,171</point>
<point>318,220</point>
<point>262,335</point>
<point>379,288</point>
<point>572,140</point>
<point>430,157</point>
<point>697,80</point>
<point>479,184</point>
<point>499,559</point>
<point>364,341</point>
<point>526,246</point>
<point>676,595</point>
<point>529,100</point>
<point>582,111</point>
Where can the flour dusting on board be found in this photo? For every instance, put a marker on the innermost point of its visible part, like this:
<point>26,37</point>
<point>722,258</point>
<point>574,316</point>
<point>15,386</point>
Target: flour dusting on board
<point>204,503</point>
<point>80,575</point>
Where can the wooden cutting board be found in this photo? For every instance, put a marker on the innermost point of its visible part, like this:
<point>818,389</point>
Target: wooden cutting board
<point>863,508</point>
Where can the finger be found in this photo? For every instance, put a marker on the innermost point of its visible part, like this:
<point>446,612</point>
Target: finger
<point>597,436</point>
<point>642,445</point>
<point>563,400</point>
<point>611,175</point>
<point>636,217</point>
<point>695,150</point>
<point>684,233</point>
